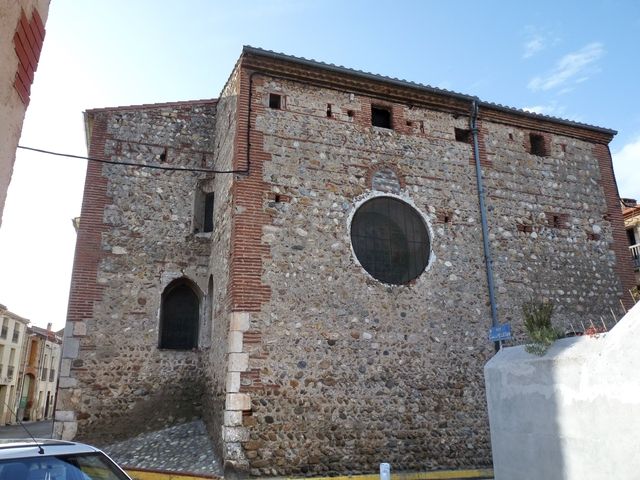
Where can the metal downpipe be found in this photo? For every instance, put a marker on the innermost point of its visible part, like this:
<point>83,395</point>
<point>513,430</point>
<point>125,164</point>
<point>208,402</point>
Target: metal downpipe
<point>483,218</point>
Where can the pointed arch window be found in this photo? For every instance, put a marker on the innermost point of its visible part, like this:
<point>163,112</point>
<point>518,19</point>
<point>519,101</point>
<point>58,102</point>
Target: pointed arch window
<point>179,316</point>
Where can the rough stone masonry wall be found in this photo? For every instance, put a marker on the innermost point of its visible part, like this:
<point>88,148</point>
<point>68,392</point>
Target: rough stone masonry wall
<point>569,259</point>
<point>349,372</point>
<point>352,372</point>
<point>115,382</point>
<point>216,372</point>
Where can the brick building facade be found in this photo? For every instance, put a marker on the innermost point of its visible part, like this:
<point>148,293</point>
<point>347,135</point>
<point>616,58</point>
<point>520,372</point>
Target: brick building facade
<point>22,34</point>
<point>323,251</point>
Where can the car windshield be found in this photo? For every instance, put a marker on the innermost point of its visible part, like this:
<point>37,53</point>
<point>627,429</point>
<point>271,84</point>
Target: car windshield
<point>83,466</point>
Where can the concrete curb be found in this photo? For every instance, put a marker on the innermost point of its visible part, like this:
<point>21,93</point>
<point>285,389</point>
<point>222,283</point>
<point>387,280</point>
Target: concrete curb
<point>475,474</point>
<point>144,474</point>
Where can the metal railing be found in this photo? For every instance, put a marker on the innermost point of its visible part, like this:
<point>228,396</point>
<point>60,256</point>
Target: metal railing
<point>635,254</point>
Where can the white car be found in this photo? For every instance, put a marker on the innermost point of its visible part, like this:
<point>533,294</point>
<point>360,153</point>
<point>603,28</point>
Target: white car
<point>55,460</point>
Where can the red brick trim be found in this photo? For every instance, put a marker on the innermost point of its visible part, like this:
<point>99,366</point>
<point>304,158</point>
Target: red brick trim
<point>557,220</point>
<point>85,290</point>
<point>372,170</point>
<point>482,147</point>
<point>27,42</point>
<point>624,267</point>
<point>246,291</point>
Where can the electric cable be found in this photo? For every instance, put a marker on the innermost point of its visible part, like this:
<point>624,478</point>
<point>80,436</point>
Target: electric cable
<point>131,164</point>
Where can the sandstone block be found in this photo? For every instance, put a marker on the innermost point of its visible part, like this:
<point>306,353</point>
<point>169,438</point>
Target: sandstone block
<point>233,418</point>
<point>239,321</point>
<point>235,434</point>
<point>233,382</point>
<point>238,401</point>
<point>234,342</point>
<point>70,348</point>
<point>238,362</point>
<point>65,416</point>
<point>67,382</point>
<point>79,329</point>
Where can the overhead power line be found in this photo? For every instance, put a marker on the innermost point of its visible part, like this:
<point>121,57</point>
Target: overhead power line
<point>131,164</point>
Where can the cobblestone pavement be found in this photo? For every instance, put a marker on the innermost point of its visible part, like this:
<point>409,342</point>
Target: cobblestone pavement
<point>183,448</point>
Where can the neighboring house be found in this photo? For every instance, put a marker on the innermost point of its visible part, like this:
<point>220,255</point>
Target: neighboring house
<point>313,283</point>
<point>631,214</point>
<point>40,374</point>
<point>21,37</point>
<point>12,344</point>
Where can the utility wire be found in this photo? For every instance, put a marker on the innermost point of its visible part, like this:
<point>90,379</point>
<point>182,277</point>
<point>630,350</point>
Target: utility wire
<point>130,164</point>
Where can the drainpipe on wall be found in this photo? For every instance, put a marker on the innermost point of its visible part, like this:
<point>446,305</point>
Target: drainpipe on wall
<point>483,218</point>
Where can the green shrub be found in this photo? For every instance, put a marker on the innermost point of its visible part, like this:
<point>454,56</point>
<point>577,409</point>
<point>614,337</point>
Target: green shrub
<point>537,323</point>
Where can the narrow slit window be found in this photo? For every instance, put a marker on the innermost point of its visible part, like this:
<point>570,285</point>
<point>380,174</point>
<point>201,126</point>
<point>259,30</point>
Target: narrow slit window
<point>380,117</point>
<point>203,220</point>
<point>208,212</point>
<point>275,101</point>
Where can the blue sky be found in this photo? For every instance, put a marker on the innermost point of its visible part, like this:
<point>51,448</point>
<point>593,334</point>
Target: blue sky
<point>571,59</point>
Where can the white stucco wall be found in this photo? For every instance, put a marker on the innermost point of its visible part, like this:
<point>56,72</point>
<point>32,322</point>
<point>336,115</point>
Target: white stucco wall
<point>12,109</point>
<point>571,414</point>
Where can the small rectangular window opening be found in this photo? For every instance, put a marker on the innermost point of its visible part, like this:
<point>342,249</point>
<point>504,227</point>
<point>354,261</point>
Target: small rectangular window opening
<point>380,117</point>
<point>275,101</point>
<point>208,213</point>
<point>329,110</point>
<point>351,113</point>
<point>463,135</point>
<point>537,145</point>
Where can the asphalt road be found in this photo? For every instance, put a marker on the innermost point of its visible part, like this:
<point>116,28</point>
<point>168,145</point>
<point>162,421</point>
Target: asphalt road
<point>37,429</point>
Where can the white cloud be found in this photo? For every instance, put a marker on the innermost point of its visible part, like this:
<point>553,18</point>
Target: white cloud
<point>542,109</point>
<point>573,67</point>
<point>538,39</point>
<point>551,108</point>
<point>533,46</point>
<point>626,163</point>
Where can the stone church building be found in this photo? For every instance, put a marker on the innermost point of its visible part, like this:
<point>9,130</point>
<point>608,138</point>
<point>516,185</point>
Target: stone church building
<point>301,264</point>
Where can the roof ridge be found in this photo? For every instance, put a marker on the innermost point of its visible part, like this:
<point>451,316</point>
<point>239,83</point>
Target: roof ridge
<point>155,105</point>
<point>442,91</point>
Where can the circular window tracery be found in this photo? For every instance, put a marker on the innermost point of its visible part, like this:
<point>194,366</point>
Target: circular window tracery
<point>390,240</point>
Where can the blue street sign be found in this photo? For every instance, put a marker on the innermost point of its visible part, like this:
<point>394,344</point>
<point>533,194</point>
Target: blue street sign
<point>502,332</point>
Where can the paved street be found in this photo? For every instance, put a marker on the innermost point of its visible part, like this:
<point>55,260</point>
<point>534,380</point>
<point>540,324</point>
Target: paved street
<point>37,429</point>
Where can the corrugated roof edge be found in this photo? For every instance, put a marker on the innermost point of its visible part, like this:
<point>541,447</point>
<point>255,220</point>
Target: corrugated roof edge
<point>405,83</point>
